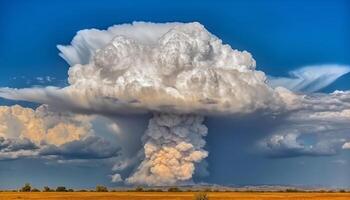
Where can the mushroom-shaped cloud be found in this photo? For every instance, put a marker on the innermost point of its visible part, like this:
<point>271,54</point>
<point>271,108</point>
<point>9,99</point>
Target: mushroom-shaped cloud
<point>178,71</point>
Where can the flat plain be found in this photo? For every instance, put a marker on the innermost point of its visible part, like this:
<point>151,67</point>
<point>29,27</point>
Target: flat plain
<point>171,196</point>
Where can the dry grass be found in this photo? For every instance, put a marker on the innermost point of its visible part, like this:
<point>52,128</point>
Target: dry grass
<point>172,196</point>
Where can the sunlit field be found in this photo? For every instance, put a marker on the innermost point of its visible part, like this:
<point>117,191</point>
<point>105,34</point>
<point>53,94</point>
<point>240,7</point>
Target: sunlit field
<point>172,195</point>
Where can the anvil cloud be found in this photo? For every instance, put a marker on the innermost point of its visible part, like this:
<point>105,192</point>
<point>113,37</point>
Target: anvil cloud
<point>156,67</point>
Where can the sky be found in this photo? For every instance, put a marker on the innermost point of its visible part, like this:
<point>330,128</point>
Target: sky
<point>300,45</point>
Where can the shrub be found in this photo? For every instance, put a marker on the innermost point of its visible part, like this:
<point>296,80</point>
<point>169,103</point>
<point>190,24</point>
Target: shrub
<point>26,188</point>
<point>101,188</point>
<point>70,190</point>
<point>201,196</point>
<point>35,190</point>
<point>139,189</point>
<point>61,189</point>
<point>292,190</point>
<point>174,189</point>
<point>47,189</point>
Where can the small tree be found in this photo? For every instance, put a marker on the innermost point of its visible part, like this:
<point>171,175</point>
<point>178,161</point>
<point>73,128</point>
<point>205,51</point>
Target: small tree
<point>26,188</point>
<point>101,188</point>
<point>201,196</point>
<point>61,189</point>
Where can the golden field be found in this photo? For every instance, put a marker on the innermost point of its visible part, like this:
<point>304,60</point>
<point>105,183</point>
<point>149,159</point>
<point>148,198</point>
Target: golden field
<point>171,196</point>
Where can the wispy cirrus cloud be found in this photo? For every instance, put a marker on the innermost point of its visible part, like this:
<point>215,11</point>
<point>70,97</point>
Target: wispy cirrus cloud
<point>310,78</point>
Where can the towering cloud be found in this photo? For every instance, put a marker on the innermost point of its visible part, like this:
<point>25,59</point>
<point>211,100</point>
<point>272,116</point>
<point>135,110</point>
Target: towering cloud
<point>177,71</point>
<point>172,146</point>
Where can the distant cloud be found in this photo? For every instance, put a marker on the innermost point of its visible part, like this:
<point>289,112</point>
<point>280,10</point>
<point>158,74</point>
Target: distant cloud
<point>324,117</point>
<point>125,163</point>
<point>116,178</point>
<point>25,132</point>
<point>8,145</point>
<point>291,145</point>
<point>310,78</point>
<point>346,145</point>
<point>92,147</point>
<point>38,81</point>
<point>340,162</point>
<point>45,79</point>
<point>16,148</point>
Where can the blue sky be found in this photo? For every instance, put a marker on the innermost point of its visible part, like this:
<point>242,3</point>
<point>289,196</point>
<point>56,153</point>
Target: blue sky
<point>282,36</point>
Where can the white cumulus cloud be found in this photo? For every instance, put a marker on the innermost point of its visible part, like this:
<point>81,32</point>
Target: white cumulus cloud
<point>25,132</point>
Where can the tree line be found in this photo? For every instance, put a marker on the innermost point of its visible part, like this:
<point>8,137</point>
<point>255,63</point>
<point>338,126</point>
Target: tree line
<point>28,188</point>
<point>100,188</point>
